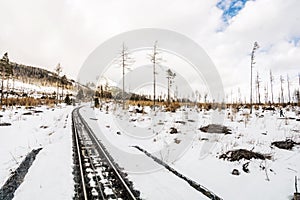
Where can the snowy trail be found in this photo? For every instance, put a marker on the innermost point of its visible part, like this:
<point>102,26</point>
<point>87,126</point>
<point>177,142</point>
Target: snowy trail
<point>268,179</point>
<point>50,176</point>
<point>154,184</point>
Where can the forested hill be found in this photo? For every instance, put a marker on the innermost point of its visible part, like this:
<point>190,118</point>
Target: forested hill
<point>29,74</point>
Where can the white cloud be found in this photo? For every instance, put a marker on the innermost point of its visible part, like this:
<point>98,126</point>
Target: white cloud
<point>272,24</point>
<point>43,33</point>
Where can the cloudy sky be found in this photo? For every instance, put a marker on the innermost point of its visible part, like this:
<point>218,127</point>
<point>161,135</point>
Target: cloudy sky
<point>43,33</point>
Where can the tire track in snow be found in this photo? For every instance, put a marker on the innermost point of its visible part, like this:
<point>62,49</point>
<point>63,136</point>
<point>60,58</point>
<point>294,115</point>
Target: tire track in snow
<point>192,183</point>
<point>11,185</point>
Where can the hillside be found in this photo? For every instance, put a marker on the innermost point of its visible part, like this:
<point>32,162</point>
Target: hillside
<point>29,74</point>
<point>28,82</point>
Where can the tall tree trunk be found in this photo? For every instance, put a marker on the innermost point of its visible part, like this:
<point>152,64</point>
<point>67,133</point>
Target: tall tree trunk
<point>255,47</point>
<point>2,87</point>
<point>258,87</point>
<point>154,83</point>
<point>57,94</point>
<point>271,80</point>
<point>123,78</point>
<point>2,84</point>
<point>62,92</point>
<point>168,90</point>
<point>281,82</point>
<point>7,91</point>
<point>288,82</point>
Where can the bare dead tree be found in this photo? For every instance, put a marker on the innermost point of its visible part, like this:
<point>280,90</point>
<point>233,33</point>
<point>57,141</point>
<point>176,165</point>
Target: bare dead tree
<point>288,87</point>
<point>176,93</point>
<point>296,186</point>
<point>271,82</point>
<point>227,97</point>
<point>257,88</point>
<point>170,77</point>
<point>58,70</point>
<point>155,59</point>
<point>298,89</point>
<point>197,93</point>
<point>125,61</point>
<point>13,81</point>
<point>255,47</point>
<point>8,75</point>
<point>4,64</point>
<point>281,82</point>
<point>64,82</point>
<point>205,97</point>
<point>239,95</point>
<point>266,93</point>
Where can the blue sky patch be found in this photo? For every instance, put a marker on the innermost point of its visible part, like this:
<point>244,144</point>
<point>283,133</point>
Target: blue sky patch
<point>295,40</point>
<point>230,8</point>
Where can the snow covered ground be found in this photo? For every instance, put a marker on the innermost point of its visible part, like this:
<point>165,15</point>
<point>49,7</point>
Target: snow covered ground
<point>50,176</point>
<point>153,181</point>
<point>196,154</point>
<point>34,90</point>
<point>190,151</point>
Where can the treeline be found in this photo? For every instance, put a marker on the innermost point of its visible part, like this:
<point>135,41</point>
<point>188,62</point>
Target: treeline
<point>29,74</point>
<point>11,71</point>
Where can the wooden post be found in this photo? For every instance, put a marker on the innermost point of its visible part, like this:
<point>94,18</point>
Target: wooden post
<point>296,194</point>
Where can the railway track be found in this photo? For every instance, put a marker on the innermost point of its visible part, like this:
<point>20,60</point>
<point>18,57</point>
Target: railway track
<point>96,175</point>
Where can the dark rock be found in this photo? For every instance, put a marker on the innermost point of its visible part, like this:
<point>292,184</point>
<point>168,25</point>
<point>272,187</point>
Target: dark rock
<point>215,128</point>
<point>5,124</point>
<point>37,111</point>
<point>236,155</point>
<point>245,167</point>
<point>235,172</point>
<point>270,108</point>
<point>173,130</point>
<point>287,144</point>
<point>296,196</point>
<point>137,110</point>
<point>180,122</point>
<point>177,141</point>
